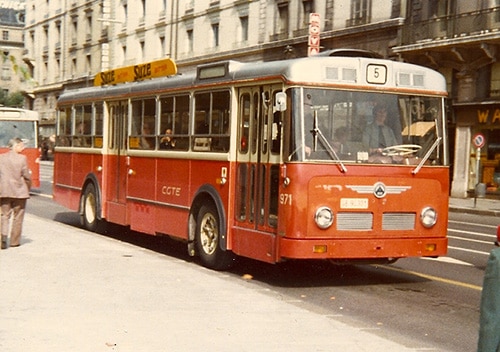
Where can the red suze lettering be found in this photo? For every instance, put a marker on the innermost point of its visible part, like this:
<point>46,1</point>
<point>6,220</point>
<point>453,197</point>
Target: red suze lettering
<point>107,77</point>
<point>142,71</point>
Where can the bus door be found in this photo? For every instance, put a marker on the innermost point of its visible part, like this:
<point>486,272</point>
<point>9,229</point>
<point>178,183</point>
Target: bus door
<point>257,173</point>
<point>116,163</point>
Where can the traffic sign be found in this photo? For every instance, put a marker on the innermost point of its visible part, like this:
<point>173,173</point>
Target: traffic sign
<point>478,140</point>
<point>314,32</point>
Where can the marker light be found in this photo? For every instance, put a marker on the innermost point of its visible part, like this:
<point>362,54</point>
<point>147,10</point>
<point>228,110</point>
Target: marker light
<point>428,217</point>
<point>323,217</point>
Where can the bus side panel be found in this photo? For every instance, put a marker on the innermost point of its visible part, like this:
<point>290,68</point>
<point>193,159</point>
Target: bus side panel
<point>65,193</point>
<point>70,174</point>
<point>253,244</point>
<point>33,156</point>
<point>173,197</point>
<point>82,164</point>
<point>141,194</point>
<point>210,173</point>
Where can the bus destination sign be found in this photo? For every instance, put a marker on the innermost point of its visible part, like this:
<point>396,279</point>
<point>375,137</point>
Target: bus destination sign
<point>154,69</point>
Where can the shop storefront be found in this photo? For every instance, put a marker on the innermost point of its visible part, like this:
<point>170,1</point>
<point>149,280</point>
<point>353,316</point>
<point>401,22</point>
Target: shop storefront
<point>476,158</point>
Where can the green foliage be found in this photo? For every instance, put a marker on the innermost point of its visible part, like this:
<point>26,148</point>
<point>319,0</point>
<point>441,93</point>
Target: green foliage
<point>20,70</point>
<point>15,100</point>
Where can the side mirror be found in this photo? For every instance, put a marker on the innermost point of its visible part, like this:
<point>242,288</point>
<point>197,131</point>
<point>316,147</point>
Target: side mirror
<point>280,103</point>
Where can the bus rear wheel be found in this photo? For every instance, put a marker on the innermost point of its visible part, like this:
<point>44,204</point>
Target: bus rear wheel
<point>208,240</point>
<point>89,218</point>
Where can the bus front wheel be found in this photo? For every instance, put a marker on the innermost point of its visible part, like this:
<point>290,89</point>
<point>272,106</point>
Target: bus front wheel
<point>208,240</point>
<point>89,218</point>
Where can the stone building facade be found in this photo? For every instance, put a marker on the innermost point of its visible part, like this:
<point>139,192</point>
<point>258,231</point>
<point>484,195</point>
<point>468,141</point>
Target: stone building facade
<point>15,74</point>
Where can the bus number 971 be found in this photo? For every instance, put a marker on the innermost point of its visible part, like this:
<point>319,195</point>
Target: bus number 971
<point>285,199</point>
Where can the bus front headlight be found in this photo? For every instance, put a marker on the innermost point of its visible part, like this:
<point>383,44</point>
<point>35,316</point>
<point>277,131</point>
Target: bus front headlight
<point>428,217</point>
<point>323,217</point>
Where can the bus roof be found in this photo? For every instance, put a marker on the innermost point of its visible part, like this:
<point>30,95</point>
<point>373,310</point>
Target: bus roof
<point>7,113</point>
<point>359,73</point>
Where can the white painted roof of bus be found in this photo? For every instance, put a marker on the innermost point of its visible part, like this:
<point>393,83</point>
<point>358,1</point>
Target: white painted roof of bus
<point>309,71</point>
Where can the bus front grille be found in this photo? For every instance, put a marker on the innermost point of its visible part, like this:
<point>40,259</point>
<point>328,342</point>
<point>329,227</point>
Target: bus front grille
<point>364,221</point>
<point>354,221</point>
<point>398,221</point>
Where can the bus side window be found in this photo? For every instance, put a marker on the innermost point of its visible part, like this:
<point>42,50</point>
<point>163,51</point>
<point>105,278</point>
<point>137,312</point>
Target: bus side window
<point>98,126</point>
<point>202,113</point>
<point>211,121</point>
<point>143,124</point>
<point>83,123</point>
<point>220,121</point>
<point>64,127</point>
<point>174,123</point>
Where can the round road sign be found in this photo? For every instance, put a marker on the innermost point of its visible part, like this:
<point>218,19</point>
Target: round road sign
<point>478,140</point>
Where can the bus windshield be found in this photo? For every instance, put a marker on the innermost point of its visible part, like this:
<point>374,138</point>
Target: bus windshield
<point>365,127</point>
<point>26,130</point>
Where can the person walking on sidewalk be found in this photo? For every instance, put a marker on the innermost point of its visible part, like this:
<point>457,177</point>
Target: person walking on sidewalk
<point>15,183</point>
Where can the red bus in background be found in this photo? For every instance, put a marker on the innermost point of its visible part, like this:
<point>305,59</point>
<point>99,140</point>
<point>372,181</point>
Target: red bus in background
<point>22,123</point>
<point>272,160</point>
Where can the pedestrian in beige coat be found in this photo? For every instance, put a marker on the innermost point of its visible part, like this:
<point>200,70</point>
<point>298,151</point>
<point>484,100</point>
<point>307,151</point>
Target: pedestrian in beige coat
<point>15,182</point>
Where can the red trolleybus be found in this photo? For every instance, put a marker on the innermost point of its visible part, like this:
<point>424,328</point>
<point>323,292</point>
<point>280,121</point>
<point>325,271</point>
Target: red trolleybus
<point>273,161</point>
<point>22,123</point>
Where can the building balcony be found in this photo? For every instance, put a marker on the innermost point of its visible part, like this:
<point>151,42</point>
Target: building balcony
<point>465,25</point>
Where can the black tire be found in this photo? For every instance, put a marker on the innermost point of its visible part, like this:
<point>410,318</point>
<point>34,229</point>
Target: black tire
<point>89,218</point>
<point>208,240</point>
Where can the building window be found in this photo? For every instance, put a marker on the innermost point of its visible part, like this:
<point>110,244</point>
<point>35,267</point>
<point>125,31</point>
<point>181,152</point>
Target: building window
<point>189,42</point>
<point>74,34</point>
<point>124,54</point>
<point>89,63</point>
<point>162,46</point>
<point>244,28</point>
<point>88,29</point>
<point>215,34</point>
<point>282,18</point>
<point>6,73</point>
<point>125,14</point>
<point>308,8</point>
<point>360,12</point>
<point>141,48</point>
<point>5,35</point>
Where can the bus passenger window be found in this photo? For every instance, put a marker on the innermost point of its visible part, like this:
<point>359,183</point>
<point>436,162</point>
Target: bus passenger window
<point>98,133</point>
<point>174,123</point>
<point>83,124</point>
<point>202,113</point>
<point>212,119</point>
<point>143,122</point>
<point>64,127</point>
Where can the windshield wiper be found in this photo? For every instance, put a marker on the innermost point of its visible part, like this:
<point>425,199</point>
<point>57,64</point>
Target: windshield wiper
<point>317,133</point>
<point>426,156</point>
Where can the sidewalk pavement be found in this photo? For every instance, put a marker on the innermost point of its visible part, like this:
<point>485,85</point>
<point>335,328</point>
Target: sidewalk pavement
<point>65,289</point>
<point>480,206</point>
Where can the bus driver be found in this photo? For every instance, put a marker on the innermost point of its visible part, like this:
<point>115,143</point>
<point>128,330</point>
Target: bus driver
<point>378,135</point>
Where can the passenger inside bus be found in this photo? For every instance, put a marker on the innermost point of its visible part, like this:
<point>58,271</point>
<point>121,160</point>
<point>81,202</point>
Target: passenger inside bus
<point>147,142</point>
<point>80,139</point>
<point>167,142</point>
